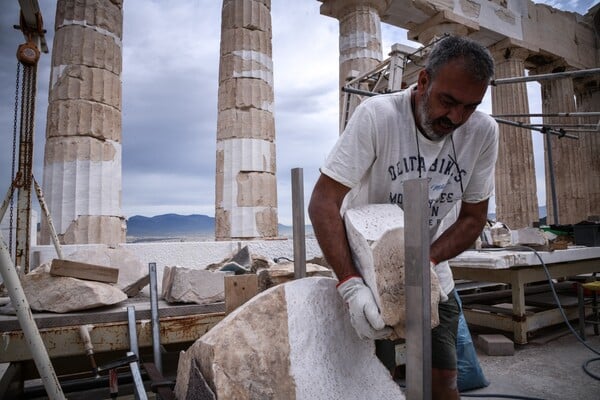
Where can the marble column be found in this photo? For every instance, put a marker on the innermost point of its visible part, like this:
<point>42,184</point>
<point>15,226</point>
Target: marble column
<point>567,162</point>
<point>246,186</point>
<point>360,38</point>
<point>516,189</point>
<point>587,95</point>
<point>82,157</point>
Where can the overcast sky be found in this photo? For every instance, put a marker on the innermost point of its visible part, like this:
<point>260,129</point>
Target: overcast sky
<point>170,72</point>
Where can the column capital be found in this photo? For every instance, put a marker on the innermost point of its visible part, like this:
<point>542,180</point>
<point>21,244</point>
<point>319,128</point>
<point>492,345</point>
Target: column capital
<point>512,49</point>
<point>557,65</point>
<point>509,53</point>
<point>339,8</point>
<point>433,33</point>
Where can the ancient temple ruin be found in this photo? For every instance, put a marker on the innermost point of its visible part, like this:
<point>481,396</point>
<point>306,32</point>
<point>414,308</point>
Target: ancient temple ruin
<point>82,165</point>
<point>522,36</point>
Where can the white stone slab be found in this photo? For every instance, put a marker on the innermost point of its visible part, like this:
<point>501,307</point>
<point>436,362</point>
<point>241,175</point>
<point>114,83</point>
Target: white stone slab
<point>293,341</point>
<point>506,259</point>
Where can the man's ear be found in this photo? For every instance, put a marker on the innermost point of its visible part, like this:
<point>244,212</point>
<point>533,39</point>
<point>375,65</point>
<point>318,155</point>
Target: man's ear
<point>422,80</point>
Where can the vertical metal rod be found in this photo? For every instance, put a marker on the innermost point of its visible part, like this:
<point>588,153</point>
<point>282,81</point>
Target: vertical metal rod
<point>418,290</point>
<point>552,180</point>
<point>131,323</point>
<point>46,212</point>
<point>155,319</point>
<point>133,346</point>
<point>298,223</point>
<point>28,326</point>
<point>140,391</point>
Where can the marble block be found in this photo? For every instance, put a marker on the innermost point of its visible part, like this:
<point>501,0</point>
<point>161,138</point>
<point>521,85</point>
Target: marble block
<point>185,285</point>
<point>60,294</point>
<point>376,238</point>
<point>293,341</point>
<point>131,270</point>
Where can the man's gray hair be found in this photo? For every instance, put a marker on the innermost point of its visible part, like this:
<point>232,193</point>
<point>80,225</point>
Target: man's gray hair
<point>478,59</point>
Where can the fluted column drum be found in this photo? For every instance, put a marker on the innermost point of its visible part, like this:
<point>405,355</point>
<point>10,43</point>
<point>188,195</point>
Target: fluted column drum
<point>82,156</point>
<point>516,189</point>
<point>246,185</point>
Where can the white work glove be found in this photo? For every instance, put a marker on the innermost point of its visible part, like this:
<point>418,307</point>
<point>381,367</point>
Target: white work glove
<point>443,296</point>
<point>364,313</point>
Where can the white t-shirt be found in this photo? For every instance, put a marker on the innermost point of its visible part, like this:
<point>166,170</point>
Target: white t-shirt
<point>378,151</point>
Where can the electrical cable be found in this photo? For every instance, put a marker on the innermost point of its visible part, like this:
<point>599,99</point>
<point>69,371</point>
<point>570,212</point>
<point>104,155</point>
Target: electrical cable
<point>501,396</point>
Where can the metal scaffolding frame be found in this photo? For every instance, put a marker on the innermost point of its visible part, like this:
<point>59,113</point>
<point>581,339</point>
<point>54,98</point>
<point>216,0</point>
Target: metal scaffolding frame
<point>377,75</point>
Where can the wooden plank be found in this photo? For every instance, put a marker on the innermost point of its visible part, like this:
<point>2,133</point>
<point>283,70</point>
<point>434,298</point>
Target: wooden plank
<point>490,296</point>
<point>490,309</point>
<point>88,272</point>
<point>489,320</point>
<point>546,299</point>
<point>551,317</point>
<point>239,289</point>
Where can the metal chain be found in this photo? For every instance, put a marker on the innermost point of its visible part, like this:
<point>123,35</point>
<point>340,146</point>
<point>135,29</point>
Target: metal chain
<point>29,102</point>
<point>14,159</point>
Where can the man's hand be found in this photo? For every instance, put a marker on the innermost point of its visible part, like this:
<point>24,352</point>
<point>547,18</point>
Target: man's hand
<point>443,296</point>
<point>364,313</point>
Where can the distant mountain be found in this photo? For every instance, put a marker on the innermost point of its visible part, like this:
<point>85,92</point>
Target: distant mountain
<point>175,225</point>
<point>168,225</point>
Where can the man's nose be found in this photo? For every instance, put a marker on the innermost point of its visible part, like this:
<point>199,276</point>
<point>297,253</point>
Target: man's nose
<point>457,114</point>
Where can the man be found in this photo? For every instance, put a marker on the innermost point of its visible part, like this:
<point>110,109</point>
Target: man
<point>430,130</point>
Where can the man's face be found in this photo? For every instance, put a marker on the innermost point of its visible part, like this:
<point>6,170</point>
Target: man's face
<point>446,102</point>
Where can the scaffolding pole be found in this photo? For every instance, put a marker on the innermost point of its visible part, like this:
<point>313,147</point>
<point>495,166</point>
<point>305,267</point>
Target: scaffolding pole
<point>28,326</point>
<point>545,77</point>
<point>567,114</point>
<point>560,133</point>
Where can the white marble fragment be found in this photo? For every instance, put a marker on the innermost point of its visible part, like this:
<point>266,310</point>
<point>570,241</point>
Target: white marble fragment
<point>284,272</point>
<point>131,269</point>
<point>529,237</point>
<point>293,341</point>
<point>59,294</point>
<point>185,285</point>
<point>376,238</point>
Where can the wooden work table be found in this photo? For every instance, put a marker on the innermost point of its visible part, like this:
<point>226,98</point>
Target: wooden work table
<point>519,268</point>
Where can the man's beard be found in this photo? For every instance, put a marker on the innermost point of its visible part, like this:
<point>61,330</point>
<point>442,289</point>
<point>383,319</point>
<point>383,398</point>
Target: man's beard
<point>424,112</point>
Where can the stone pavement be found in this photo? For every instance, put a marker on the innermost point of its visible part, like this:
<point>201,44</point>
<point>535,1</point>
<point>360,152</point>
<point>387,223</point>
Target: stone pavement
<point>548,367</point>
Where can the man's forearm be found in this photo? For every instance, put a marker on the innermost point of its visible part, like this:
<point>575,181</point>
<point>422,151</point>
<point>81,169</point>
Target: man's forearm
<point>331,234</point>
<point>460,235</point>
<point>324,212</point>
